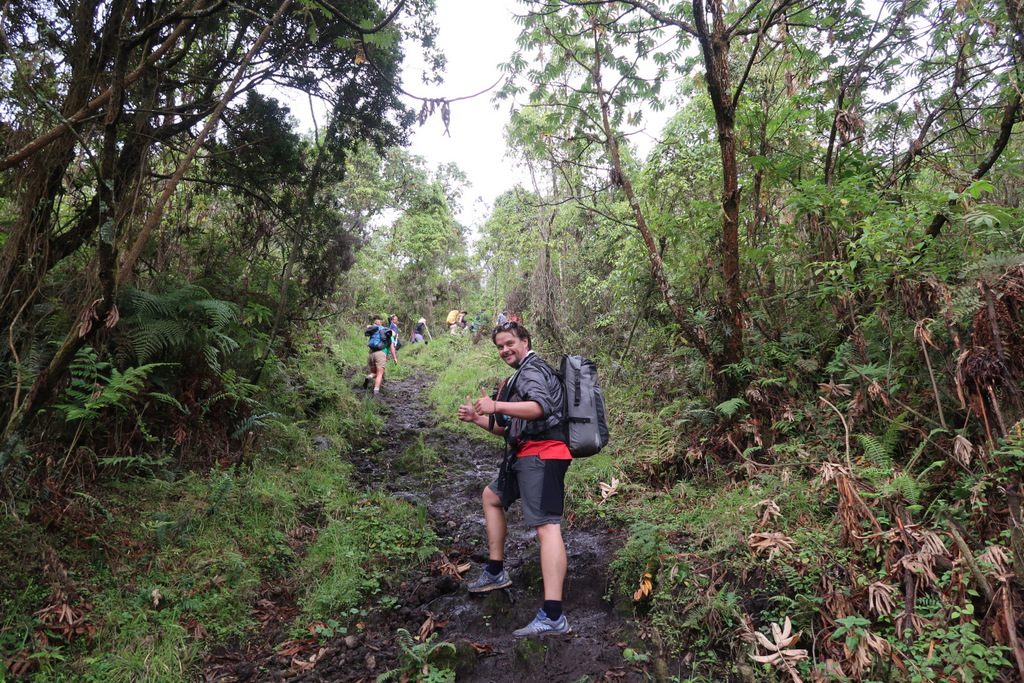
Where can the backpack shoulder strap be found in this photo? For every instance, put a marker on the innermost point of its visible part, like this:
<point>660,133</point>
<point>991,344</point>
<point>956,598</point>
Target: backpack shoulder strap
<point>502,394</point>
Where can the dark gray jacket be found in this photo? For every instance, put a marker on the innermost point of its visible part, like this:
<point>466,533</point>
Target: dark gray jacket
<point>534,380</point>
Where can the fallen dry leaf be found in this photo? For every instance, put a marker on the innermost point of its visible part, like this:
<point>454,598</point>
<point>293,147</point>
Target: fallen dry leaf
<point>426,628</point>
<point>449,568</point>
<point>963,450</point>
<point>769,511</point>
<point>66,619</point>
<point>290,648</point>
<point>646,585</point>
<point>299,664</point>
<point>609,490</point>
<point>770,542</point>
<point>20,663</point>
<point>830,388</point>
<point>195,629</point>
<point>881,598</point>
<point>870,646</point>
<point>922,333</point>
<point>997,557</point>
<point>780,650</point>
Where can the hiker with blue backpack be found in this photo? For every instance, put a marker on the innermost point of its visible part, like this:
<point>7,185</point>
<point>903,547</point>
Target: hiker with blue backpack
<point>381,340</point>
<point>530,411</point>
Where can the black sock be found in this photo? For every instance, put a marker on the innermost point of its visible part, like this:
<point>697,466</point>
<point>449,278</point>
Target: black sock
<point>494,567</point>
<point>553,608</point>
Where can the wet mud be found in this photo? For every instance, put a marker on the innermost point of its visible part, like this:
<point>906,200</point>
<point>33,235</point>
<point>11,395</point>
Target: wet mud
<point>435,599</point>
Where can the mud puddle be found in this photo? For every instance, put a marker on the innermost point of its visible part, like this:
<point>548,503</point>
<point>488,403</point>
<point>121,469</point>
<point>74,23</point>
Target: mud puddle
<point>436,599</point>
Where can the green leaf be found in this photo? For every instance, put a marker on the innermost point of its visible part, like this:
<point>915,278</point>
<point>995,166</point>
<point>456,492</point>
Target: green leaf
<point>730,407</point>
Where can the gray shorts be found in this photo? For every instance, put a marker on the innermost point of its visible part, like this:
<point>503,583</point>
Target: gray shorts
<point>541,488</point>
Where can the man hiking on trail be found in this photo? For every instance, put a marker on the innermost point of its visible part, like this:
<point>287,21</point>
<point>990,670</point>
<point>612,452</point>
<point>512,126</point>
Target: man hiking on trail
<point>420,331</point>
<point>393,324</point>
<point>527,411</point>
<point>381,340</point>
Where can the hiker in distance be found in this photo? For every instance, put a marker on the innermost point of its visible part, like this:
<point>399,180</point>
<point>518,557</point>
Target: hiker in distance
<point>381,340</point>
<point>527,410</point>
<point>420,331</point>
<point>393,324</point>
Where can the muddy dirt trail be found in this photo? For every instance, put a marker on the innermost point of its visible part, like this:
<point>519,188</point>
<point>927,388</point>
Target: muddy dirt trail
<point>480,626</point>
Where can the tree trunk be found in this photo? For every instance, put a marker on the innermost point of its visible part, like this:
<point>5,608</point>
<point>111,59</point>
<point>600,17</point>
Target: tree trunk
<point>657,265</point>
<point>543,292</point>
<point>101,309</point>
<point>714,42</point>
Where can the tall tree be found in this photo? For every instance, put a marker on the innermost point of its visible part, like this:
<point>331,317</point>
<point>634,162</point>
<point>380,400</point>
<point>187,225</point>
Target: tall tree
<point>592,42</point>
<point>152,72</point>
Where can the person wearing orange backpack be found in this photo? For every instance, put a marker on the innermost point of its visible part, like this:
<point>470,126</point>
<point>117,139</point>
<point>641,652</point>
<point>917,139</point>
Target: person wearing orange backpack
<point>528,411</point>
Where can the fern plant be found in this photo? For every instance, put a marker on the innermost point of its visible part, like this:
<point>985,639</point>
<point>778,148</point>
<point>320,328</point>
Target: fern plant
<point>96,385</point>
<point>732,406</point>
<point>889,478</point>
<point>253,423</point>
<point>881,449</point>
<point>421,661</point>
<point>179,323</point>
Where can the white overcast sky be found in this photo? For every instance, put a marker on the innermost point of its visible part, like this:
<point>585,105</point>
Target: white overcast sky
<point>476,36</point>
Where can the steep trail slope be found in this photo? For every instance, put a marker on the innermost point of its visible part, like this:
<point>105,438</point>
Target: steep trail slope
<point>448,484</point>
<point>453,501</point>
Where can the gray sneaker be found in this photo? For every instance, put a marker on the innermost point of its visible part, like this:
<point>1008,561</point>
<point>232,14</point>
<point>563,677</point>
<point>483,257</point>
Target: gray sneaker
<point>489,582</point>
<point>542,626</point>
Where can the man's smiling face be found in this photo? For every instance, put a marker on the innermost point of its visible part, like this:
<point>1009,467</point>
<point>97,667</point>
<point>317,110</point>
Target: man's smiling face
<point>511,348</point>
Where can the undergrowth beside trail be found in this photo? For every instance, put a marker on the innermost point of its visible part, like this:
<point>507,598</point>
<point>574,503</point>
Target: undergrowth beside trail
<point>137,580</point>
<point>730,545</point>
<point>461,370</point>
<point>721,544</point>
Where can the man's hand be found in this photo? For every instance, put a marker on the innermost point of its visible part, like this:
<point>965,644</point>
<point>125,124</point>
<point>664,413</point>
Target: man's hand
<point>485,404</point>
<point>467,413</point>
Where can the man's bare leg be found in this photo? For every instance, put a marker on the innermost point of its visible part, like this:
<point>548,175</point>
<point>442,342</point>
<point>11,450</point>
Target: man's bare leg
<point>497,528</point>
<point>553,560</point>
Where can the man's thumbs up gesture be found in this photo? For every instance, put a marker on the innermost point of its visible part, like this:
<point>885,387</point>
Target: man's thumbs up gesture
<point>466,411</point>
<point>485,404</point>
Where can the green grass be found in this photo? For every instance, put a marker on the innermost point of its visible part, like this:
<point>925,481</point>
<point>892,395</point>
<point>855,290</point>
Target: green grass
<point>461,369</point>
<point>355,556</point>
<point>170,567</point>
<point>177,566</point>
<point>419,458</point>
<point>211,541</point>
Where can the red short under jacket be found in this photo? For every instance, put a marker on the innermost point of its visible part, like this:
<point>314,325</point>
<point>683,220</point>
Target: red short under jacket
<point>545,450</point>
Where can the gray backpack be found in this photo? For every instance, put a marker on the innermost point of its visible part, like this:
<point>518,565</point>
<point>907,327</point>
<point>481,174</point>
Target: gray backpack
<point>586,429</point>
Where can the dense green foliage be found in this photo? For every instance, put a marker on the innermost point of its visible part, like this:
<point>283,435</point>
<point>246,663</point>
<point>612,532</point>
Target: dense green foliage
<point>156,564</point>
<point>879,250</point>
<point>806,299</point>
